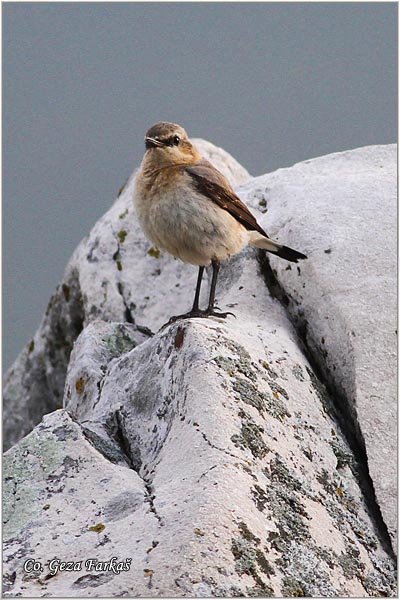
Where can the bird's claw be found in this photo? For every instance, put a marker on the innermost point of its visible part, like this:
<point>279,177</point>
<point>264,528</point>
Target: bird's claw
<point>202,314</point>
<point>221,315</point>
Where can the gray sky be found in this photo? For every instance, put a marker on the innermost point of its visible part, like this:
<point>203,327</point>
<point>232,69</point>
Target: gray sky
<point>272,83</point>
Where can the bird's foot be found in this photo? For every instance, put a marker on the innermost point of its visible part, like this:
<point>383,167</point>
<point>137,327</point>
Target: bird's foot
<point>222,315</point>
<point>203,314</point>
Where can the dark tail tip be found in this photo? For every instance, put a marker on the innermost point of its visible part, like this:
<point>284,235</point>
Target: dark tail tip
<point>289,254</point>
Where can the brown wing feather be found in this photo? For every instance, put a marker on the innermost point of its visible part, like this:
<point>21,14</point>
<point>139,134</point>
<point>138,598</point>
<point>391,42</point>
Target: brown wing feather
<point>210,182</point>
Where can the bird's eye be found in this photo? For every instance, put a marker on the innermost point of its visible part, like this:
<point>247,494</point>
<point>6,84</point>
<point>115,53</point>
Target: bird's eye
<point>176,140</point>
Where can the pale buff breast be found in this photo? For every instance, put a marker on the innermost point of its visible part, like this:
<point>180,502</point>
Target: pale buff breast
<point>188,225</point>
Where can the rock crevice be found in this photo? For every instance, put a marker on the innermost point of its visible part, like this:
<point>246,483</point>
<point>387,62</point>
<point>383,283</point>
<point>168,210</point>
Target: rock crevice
<point>342,407</point>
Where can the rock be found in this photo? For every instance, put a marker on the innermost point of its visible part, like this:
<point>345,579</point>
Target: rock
<point>115,275</point>
<point>209,455</point>
<point>33,386</point>
<point>341,210</point>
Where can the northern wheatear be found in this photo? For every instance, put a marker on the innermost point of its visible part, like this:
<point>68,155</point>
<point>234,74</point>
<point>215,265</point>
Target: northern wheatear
<point>188,208</point>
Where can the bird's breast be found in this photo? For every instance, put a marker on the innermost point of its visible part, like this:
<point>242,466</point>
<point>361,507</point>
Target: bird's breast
<point>185,223</point>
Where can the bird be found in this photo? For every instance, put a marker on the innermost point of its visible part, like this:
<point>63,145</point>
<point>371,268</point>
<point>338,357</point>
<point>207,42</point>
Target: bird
<point>186,207</point>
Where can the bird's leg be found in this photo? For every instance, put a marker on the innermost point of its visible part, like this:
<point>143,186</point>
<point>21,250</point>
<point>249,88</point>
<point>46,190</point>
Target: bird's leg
<point>211,300</point>
<point>195,306</point>
<point>211,308</point>
<point>195,310</point>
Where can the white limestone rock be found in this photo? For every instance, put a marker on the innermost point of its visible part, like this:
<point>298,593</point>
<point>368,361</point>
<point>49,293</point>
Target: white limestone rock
<point>209,454</point>
<point>217,433</point>
<point>341,210</point>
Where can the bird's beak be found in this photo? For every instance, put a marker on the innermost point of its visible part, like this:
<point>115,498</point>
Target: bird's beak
<point>152,143</point>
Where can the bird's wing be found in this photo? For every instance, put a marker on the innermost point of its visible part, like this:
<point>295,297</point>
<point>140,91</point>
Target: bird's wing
<point>209,181</point>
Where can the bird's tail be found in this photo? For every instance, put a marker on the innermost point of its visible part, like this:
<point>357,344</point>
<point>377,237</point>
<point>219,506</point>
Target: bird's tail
<point>275,248</point>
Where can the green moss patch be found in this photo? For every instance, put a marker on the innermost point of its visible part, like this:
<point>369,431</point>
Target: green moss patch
<point>292,588</point>
<point>250,560</point>
<point>249,393</point>
<point>154,252</point>
<point>232,366</point>
<point>122,235</point>
<point>250,437</point>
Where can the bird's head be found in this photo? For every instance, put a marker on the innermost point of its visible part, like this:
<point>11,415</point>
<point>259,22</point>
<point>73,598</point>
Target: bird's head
<point>167,145</point>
